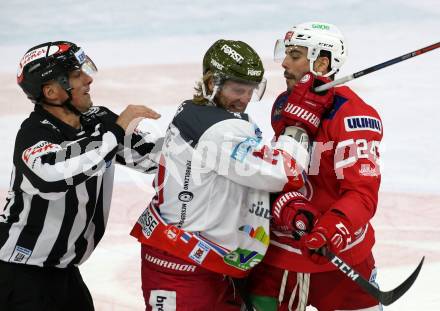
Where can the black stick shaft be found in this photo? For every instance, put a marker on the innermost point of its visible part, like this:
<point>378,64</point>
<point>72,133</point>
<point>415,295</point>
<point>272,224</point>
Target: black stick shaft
<point>377,67</point>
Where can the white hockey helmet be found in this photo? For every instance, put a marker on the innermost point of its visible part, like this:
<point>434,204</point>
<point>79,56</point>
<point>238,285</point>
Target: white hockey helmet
<point>317,37</point>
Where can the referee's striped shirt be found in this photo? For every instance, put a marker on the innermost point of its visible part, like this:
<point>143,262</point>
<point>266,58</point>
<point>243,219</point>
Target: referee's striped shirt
<point>61,186</point>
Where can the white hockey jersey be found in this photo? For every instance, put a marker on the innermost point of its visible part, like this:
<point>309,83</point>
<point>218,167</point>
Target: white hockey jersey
<point>212,189</point>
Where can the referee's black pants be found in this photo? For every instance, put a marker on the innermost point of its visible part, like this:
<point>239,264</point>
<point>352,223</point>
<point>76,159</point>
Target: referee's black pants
<point>26,288</point>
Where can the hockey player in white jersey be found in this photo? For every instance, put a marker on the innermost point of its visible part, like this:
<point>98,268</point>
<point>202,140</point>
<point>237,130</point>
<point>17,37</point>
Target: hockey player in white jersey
<point>210,215</point>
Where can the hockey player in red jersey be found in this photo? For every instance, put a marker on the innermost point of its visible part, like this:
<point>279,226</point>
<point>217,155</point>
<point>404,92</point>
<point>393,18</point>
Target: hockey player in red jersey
<point>334,209</point>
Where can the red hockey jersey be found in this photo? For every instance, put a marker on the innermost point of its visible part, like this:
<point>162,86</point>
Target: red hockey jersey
<point>343,174</point>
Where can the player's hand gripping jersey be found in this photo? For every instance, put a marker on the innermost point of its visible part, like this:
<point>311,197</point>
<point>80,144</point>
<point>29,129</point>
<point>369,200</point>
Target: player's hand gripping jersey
<point>212,202</point>
<point>343,176</point>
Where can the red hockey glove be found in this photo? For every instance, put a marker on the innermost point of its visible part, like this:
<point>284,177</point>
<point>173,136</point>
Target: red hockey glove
<point>304,107</point>
<point>333,231</point>
<point>292,212</point>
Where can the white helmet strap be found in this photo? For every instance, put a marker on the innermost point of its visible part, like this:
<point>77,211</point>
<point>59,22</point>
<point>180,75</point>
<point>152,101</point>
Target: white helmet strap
<point>210,97</point>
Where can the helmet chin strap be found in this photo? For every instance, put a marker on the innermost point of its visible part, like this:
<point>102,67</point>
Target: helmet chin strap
<point>63,80</point>
<point>67,104</point>
<point>210,98</point>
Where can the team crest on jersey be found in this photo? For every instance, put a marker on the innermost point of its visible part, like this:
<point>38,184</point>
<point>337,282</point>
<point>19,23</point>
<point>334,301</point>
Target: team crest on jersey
<point>362,123</point>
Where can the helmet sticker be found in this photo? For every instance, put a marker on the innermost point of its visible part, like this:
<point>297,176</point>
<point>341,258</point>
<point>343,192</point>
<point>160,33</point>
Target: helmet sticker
<point>288,35</point>
<point>321,26</point>
<point>80,56</point>
<point>216,64</point>
<point>232,53</point>
<point>253,72</point>
<point>31,56</point>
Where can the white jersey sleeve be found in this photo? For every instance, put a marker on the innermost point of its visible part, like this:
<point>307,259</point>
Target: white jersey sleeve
<point>234,148</point>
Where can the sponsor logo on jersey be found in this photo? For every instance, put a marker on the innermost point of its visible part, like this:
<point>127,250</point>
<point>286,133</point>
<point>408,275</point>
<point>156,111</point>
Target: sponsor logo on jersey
<point>242,149</point>
<point>41,148</point>
<point>162,300</point>
<point>20,255</point>
<point>148,222</point>
<point>243,259</point>
<point>301,113</point>
<point>259,210</point>
<point>232,53</point>
<point>368,171</point>
<point>199,252</point>
<point>258,234</point>
<point>185,196</point>
<point>169,264</point>
<point>187,175</point>
<point>362,123</point>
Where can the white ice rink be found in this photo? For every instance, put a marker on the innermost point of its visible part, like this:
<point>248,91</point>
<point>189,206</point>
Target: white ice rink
<point>150,52</point>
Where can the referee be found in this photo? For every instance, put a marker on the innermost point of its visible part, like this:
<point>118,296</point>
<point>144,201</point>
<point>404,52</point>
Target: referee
<point>62,178</point>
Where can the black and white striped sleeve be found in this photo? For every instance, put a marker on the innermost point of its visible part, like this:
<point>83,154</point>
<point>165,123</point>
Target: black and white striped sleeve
<point>140,151</point>
<point>51,166</point>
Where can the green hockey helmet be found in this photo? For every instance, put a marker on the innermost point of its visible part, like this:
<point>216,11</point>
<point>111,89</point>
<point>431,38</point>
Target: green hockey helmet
<point>237,61</point>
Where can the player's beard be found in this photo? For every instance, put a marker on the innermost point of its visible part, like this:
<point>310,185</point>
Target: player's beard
<point>291,80</point>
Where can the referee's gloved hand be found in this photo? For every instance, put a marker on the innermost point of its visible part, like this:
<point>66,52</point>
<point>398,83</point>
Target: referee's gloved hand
<point>332,231</point>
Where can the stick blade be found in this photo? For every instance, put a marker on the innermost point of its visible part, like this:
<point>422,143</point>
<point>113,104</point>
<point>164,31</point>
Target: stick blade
<point>387,298</point>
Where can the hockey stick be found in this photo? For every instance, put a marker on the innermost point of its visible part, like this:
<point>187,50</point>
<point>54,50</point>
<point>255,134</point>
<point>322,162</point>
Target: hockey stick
<point>385,298</point>
<point>377,67</point>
